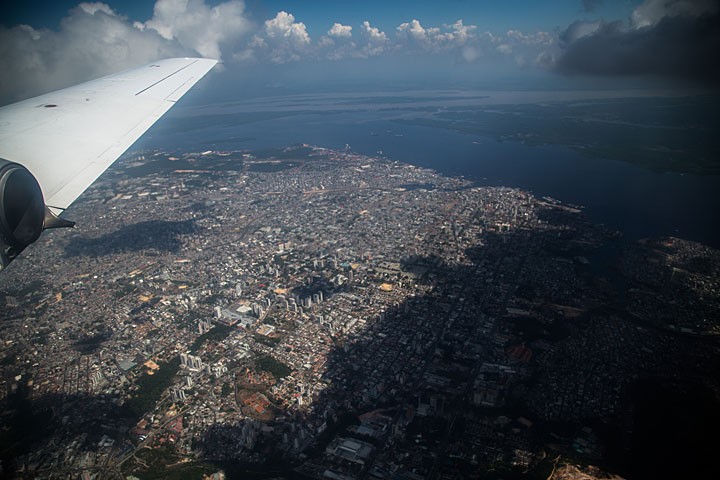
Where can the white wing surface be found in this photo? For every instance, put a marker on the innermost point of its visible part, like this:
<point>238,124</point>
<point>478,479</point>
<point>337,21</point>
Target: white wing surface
<point>67,138</point>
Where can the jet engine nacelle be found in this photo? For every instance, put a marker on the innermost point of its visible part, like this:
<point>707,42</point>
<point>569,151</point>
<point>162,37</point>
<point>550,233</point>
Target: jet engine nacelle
<point>23,214</point>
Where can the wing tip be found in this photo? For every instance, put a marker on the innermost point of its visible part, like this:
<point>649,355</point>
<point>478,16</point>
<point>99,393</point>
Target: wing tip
<point>203,59</point>
<point>211,62</point>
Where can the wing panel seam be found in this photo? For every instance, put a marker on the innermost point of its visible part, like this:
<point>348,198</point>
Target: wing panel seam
<point>165,78</point>
<point>178,88</point>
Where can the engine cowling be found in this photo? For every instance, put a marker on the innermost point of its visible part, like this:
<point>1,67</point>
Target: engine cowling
<point>22,210</point>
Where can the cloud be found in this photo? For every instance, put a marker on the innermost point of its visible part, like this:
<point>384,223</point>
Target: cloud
<point>340,31</point>
<point>93,7</point>
<point>373,33</point>
<point>460,33</point>
<point>284,27</point>
<point>197,26</point>
<point>283,39</point>
<point>538,38</point>
<point>668,38</point>
<point>93,40</point>
<point>651,12</point>
<point>375,42</point>
<point>470,54</point>
<point>580,29</point>
<point>413,36</point>
<point>523,49</point>
<point>589,5</point>
<point>337,44</point>
<point>412,29</point>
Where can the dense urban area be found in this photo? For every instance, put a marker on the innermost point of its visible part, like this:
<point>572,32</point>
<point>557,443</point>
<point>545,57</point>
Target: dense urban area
<point>311,313</point>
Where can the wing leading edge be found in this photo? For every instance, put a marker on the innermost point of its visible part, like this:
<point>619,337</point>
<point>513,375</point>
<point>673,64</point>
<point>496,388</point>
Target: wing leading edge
<point>68,138</point>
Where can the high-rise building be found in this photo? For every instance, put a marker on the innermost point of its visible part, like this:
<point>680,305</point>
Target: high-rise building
<point>204,326</point>
<point>177,395</point>
<point>197,363</point>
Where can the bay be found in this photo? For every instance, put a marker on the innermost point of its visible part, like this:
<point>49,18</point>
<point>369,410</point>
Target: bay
<point>639,202</point>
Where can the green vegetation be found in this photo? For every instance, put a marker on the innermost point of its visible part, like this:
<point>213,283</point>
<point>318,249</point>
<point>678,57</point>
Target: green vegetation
<point>217,334</point>
<point>164,463</point>
<point>209,300</point>
<point>41,336</point>
<point>90,343</point>
<point>22,290</point>
<point>151,388</point>
<point>269,364</point>
<point>123,289</point>
<point>269,341</point>
<point>227,389</point>
<point>289,153</point>
<point>270,167</point>
<point>278,260</point>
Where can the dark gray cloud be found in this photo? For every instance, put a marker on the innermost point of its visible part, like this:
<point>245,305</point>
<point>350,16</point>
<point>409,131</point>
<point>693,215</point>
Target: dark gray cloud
<point>589,5</point>
<point>682,46</point>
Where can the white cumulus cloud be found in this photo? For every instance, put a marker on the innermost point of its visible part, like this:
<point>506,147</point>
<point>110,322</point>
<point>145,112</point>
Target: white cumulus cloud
<point>284,27</point>
<point>374,41</point>
<point>340,31</point>
<point>373,33</point>
<point>460,33</point>
<point>198,26</point>
<point>283,39</point>
<point>92,7</point>
<point>413,35</point>
<point>93,40</point>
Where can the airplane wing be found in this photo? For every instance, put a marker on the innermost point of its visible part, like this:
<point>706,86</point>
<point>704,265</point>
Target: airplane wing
<point>53,147</point>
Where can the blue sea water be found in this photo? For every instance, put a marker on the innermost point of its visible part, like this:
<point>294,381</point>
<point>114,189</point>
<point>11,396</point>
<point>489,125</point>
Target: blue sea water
<point>638,202</point>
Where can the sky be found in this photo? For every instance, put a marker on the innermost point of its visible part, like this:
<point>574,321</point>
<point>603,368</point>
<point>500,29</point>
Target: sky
<point>319,15</point>
<point>290,44</point>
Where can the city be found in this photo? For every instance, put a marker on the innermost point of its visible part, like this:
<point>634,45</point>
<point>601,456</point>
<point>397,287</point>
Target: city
<point>317,313</point>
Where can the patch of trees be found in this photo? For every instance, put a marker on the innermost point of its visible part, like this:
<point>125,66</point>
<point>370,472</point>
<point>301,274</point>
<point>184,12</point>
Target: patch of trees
<point>269,364</point>
<point>217,333</point>
<point>151,387</point>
